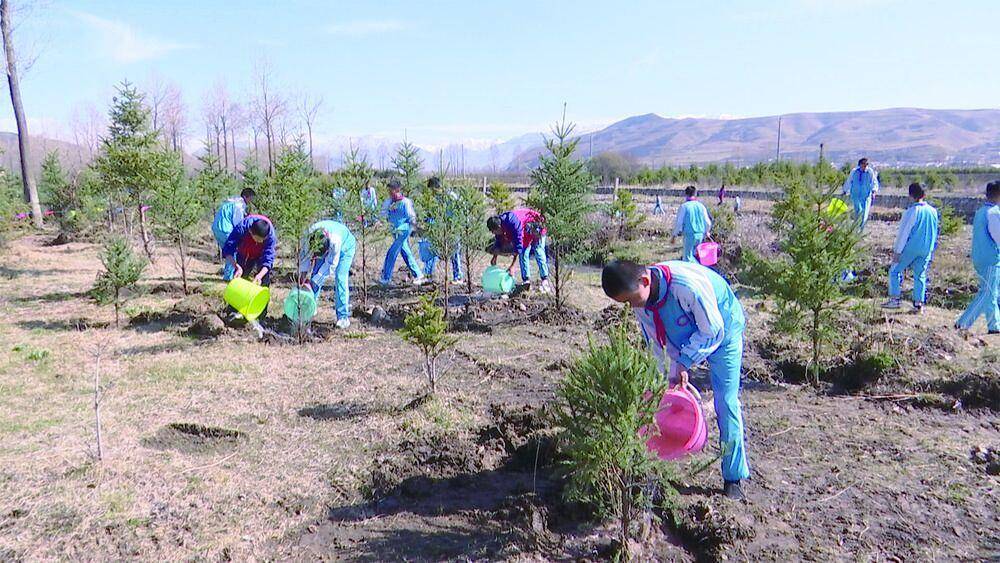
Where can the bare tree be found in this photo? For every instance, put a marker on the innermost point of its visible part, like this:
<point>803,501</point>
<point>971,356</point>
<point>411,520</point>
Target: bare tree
<point>174,119</point>
<point>269,108</point>
<point>308,111</point>
<point>23,145</point>
<point>86,124</point>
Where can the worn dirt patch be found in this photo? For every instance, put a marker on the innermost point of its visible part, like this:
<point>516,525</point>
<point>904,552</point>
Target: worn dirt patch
<point>193,438</point>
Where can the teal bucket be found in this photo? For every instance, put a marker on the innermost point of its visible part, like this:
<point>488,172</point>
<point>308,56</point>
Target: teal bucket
<point>497,280</point>
<point>300,305</point>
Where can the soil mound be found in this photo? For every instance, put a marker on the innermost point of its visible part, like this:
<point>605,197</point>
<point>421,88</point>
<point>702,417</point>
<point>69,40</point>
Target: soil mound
<point>193,438</point>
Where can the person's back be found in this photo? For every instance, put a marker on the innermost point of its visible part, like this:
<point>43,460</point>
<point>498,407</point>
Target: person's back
<point>695,217</point>
<point>923,236</point>
<point>230,213</point>
<point>985,249</point>
<point>399,213</point>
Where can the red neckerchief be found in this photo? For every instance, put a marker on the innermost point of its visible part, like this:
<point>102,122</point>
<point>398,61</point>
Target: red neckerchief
<point>661,329</point>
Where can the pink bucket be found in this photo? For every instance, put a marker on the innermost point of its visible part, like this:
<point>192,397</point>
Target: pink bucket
<point>680,425</point>
<point>708,253</point>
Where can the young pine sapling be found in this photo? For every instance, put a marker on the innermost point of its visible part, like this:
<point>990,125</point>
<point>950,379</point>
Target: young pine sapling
<point>471,211</point>
<point>178,212</point>
<point>122,269</point>
<point>427,328</point>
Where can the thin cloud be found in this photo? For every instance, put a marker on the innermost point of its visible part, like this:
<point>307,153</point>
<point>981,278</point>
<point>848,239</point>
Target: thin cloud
<point>124,43</point>
<point>361,28</point>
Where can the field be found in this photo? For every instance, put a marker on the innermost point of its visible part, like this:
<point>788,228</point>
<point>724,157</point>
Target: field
<point>221,447</point>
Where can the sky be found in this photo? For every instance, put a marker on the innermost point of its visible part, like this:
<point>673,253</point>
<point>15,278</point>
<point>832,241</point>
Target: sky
<point>473,71</point>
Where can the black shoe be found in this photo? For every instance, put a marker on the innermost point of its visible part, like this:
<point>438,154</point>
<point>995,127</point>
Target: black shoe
<point>993,332</point>
<point>732,490</point>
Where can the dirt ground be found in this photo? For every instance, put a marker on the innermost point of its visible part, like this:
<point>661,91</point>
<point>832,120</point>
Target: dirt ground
<point>218,446</point>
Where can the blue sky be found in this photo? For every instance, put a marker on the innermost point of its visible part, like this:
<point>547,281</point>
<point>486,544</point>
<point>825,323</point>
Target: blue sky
<point>448,71</point>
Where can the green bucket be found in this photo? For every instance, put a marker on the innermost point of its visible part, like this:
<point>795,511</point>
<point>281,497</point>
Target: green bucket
<point>248,298</point>
<point>300,305</point>
<point>497,280</point>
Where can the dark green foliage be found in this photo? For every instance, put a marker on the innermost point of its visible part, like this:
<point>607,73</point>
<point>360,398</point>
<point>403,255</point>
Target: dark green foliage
<point>625,213</point>
<point>471,210</point>
<point>501,198</point>
<point>55,188</point>
<point>362,219</point>
<point>609,394</point>
<point>949,222</point>
<point>290,197</point>
<point>11,203</point>
<point>426,328</point>
<point>610,165</point>
<point>213,184</point>
<point>122,269</point>
<point>251,176</point>
<point>561,191</point>
<point>179,210</point>
<point>407,163</point>
<point>816,249</point>
<point>132,162</point>
<point>723,223</point>
<point>439,224</point>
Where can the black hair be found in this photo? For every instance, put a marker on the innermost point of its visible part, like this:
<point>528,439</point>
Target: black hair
<point>260,228</point>
<point>621,276</point>
<point>690,191</point>
<point>863,161</point>
<point>917,190</point>
<point>493,223</point>
<point>434,183</point>
<point>993,189</point>
<point>247,193</point>
<point>395,184</point>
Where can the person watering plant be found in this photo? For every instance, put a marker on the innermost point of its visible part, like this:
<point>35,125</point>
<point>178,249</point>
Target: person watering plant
<point>688,314</point>
<point>328,247</point>
<point>230,213</point>
<point>521,233</point>
<point>398,211</point>
<point>250,250</point>
<point>693,221</point>
<point>913,250</point>
<point>986,260</point>
<point>862,185</point>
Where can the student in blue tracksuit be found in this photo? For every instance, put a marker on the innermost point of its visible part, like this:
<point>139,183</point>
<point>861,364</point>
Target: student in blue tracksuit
<point>986,260</point>
<point>693,221</point>
<point>230,213</point>
<point>328,247</point>
<point>658,206</point>
<point>689,314</point>
<point>862,185</point>
<point>398,211</point>
<point>914,250</point>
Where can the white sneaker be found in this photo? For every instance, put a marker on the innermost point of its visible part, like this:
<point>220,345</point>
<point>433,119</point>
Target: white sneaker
<point>457,282</point>
<point>546,287</point>
<point>892,303</point>
<point>344,323</point>
<point>419,280</point>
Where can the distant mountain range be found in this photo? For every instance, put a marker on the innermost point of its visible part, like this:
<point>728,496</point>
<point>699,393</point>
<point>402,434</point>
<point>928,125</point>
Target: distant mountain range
<point>894,137</point>
<point>898,137</point>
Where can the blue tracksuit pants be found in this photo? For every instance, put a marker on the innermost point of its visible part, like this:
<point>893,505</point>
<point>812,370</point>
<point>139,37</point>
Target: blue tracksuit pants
<point>227,269</point>
<point>724,365</point>
<point>400,244</point>
<point>691,242</point>
<point>341,275</point>
<point>862,208</point>
<point>430,259</point>
<point>985,301</point>
<point>919,265</point>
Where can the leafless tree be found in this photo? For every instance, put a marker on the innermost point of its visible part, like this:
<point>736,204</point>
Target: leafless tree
<point>308,111</point>
<point>23,144</point>
<point>86,124</point>
<point>174,119</point>
<point>269,107</point>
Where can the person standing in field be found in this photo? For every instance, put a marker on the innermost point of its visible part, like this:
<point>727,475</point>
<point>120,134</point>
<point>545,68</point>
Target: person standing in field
<point>521,233</point>
<point>862,185</point>
<point>328,248</point>
<point>230,213</point>
<point>688,314</point>
<point>658,206</point>
<point>722,194</point>
<point>398,211</point>
<point>986,260</point>
<point>737,205</point>
<point>914,250</point>
<point>693,221</point>
<point>424,247</point>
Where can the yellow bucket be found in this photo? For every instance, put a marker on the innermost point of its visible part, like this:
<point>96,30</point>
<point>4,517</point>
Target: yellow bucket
<point>836,207</point>
<point>248,298</point>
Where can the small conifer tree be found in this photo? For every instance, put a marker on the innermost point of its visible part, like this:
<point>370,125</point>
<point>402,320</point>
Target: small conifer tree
<point>625,213</point>
<point>471,210</point>
<point>179,210</point>
<point>407,163</point>
<point>610,393</point>
<point>426,328</point>
<point>361,210</point>
<point>122,269</point>
<point>501,198</point>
